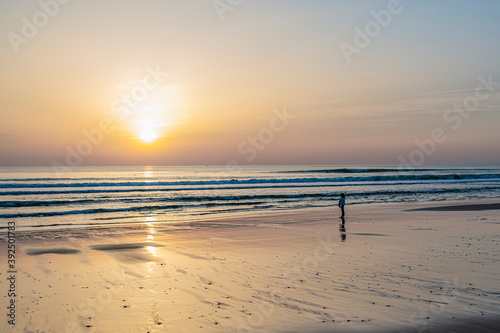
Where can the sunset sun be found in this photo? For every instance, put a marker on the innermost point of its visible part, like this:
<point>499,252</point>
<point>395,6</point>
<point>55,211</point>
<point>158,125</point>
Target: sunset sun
<point>149,123</point>
<point>148,135</point>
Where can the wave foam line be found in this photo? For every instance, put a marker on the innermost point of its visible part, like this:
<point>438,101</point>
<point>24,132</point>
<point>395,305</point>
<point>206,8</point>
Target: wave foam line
<point>212,201</point>
<point>259,181</point>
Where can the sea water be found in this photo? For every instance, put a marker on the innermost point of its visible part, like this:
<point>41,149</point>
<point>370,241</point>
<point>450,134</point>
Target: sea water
<point>38,198</point>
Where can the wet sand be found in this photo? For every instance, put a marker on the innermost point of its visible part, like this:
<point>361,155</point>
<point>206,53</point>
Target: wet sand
<point>458,207</point>
<point>386,269</point>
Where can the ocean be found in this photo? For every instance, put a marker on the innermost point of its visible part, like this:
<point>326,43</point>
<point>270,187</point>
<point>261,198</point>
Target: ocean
<point>39,199</point>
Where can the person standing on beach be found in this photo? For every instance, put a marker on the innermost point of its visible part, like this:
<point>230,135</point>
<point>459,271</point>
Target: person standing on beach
<point>342,204</point>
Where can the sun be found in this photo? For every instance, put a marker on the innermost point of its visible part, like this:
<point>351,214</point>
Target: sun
<point>149,124</point>
<point>151,118</point>
<point>148,135</point>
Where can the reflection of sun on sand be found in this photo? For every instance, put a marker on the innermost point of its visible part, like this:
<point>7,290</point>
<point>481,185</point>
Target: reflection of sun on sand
<point>123,246</point>
<point>431,269</point>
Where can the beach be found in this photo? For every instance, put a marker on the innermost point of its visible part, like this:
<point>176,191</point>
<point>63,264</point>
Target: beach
<point>232,166</point>
<point>389,268</point>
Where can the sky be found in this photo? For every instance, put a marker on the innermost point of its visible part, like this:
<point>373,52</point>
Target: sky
<point>163,82</point>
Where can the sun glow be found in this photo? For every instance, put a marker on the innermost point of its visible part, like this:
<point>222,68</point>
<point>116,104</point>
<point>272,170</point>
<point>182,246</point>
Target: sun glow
<point>152,118</point>
<point>148,135</point>
<point>149,125</point>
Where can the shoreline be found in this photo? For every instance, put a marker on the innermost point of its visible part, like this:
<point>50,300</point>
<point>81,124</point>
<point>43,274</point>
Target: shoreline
<point>385,269</point>
<point>221,221</point>
<point>465,207</point>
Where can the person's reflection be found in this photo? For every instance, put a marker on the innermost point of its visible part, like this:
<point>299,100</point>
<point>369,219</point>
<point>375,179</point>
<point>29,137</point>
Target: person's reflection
<point>343,235</point>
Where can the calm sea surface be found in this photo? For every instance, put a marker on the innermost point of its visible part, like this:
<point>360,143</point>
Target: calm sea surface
<point>38,198</point>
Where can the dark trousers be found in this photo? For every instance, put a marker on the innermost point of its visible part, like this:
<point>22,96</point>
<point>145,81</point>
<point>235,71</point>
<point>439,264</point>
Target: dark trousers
<point>342,208</point>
